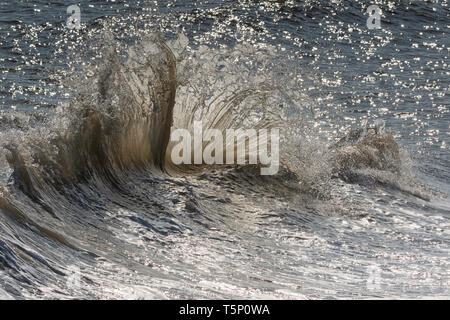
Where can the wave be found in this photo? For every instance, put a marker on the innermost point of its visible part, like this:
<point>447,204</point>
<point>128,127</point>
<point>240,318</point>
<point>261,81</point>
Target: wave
<point>91,182</point>
<point>124,121</point>
<point>123,109</point>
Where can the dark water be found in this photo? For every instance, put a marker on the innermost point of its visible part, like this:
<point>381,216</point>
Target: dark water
<point>91,208</point>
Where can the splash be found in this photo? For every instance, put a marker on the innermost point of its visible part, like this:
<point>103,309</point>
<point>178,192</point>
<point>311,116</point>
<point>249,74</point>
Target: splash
<point>121,116</point>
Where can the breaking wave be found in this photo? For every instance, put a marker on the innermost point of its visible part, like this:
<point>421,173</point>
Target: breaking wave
<point>105,151</point>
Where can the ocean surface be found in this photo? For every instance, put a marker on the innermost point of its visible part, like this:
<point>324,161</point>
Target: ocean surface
<point>92,208</point>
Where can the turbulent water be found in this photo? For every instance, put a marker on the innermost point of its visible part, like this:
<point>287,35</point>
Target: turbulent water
<point>92,207</point>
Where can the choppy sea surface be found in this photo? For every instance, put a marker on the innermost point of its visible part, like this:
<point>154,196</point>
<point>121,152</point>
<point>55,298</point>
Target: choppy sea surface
<point>92,208</point>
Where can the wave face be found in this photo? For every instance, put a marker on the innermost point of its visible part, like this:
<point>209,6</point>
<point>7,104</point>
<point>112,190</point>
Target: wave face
<point>91,205</point>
